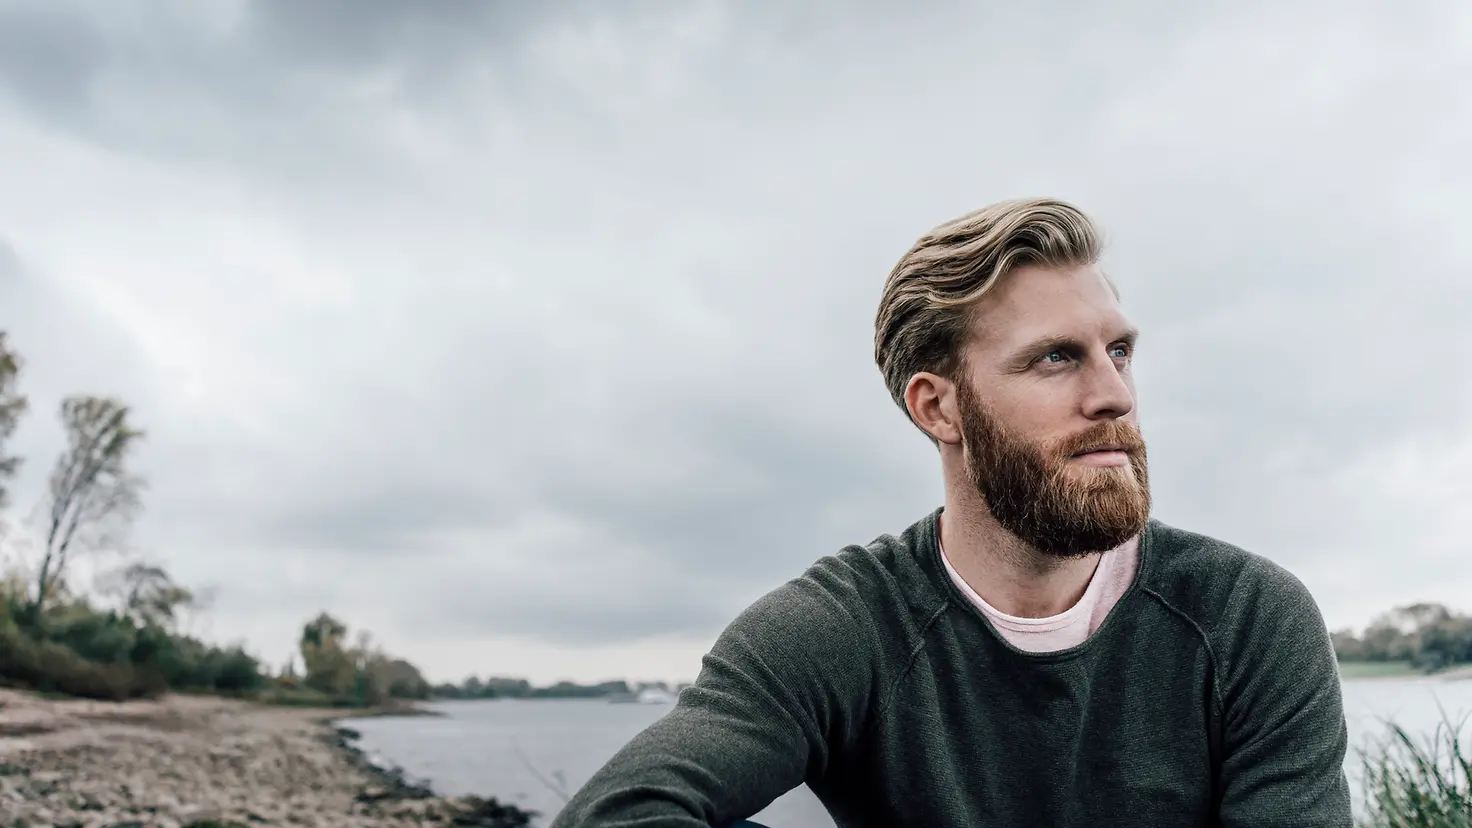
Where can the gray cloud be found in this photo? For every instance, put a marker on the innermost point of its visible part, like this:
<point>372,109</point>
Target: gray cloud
<point>479,320</point>
<point>49,58</point>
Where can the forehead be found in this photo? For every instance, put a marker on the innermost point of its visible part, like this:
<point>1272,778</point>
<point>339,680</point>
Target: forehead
<point>1034,303</point>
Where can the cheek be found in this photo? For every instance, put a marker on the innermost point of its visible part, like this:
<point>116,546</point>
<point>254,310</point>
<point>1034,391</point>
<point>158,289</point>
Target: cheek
<point>1036,414</point>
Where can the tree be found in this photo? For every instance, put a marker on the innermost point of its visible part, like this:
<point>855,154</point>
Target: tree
<point>1445,642</point>
<point>150,596</point>
<point>404,680</point>
<point>93,496</point>
<point>324,630</point>
<point>12,406</point>
<point>330,668</point>
<point>1428,636</point>
<point>370,676</point>
<point>1414,617</point>
<point>1348,646</point>
<point>1386,641</point>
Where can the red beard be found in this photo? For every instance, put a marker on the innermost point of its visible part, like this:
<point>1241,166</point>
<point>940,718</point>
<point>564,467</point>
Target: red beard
<point>1058,508</point>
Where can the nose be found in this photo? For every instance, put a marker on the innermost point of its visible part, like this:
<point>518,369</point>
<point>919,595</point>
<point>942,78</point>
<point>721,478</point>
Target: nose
<point>1108,394</point>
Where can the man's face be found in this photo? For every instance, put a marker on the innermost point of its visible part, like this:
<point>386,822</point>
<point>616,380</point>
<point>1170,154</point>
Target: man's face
<point>1048,417</point>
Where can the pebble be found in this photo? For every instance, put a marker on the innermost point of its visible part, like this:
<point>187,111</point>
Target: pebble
<point>218,762</point>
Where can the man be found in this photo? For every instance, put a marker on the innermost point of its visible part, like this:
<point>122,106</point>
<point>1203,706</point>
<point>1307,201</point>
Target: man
<point>1039,651</point>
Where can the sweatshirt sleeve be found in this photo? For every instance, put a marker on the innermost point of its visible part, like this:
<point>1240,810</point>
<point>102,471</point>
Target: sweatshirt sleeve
<point>783,685</point>
<point>1283,730</point>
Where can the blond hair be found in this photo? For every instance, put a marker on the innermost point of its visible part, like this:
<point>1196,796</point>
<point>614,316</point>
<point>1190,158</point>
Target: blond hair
<point>925,312</point>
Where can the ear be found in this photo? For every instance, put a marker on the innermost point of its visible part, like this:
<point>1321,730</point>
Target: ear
<point>931,400</point>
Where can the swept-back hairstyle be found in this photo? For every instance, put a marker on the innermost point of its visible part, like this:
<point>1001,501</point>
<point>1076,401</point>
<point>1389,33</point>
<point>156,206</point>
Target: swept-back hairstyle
<point>925,312</point>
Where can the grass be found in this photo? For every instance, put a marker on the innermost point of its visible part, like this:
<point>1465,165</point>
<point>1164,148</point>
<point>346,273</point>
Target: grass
<point>1377,669</point>
<point>301,697</point>
<point>1419,785</point>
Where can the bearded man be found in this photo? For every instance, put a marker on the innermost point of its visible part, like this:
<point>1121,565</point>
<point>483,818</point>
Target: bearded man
<point>1037,652</point>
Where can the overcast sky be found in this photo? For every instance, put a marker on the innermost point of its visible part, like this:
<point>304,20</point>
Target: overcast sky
<point>537,338</point>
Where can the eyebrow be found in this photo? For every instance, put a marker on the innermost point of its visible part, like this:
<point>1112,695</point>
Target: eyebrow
<point>1038,347</point>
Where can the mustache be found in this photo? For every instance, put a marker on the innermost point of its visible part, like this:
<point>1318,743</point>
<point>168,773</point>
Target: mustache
<point>1115,435</point>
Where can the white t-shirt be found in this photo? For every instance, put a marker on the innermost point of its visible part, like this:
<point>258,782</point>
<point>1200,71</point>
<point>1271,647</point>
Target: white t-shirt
<point>1070,628</point>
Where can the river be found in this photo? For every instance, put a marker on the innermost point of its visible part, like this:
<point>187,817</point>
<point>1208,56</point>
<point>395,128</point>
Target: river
<point>500,748</point>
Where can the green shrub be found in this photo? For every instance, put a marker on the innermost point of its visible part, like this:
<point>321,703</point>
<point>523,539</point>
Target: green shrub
<point>103,638</point>
<point>188,664</point>
<point>51,667</point>
<point>236,671</point>
<point>74,649</point>
<point>77,651</point>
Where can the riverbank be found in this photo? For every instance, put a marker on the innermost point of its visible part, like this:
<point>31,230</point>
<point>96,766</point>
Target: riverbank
<point>1364,670</point>
<point>205,762</point>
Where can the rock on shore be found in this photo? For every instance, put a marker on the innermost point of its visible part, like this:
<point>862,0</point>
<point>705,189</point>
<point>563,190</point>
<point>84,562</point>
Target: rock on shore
<point>198,762</point>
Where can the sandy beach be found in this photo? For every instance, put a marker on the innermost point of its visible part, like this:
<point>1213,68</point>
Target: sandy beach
<point>202,762</point>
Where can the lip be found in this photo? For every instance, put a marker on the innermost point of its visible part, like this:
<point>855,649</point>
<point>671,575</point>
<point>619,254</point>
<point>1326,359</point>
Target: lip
<point>1103,458</point>
<point>1111,447</point>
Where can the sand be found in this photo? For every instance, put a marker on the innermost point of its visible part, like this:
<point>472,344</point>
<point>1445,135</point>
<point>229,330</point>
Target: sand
<point>201,761</point>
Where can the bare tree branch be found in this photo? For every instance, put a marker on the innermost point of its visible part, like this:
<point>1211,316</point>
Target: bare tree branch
<point>12,406</point>
<point>202,602</point>
<point>93,497</point>
<point>147,593</point>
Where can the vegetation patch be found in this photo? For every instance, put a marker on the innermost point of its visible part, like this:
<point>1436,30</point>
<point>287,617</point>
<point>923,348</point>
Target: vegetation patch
<point>121,638</point>
<point>1412,783</point>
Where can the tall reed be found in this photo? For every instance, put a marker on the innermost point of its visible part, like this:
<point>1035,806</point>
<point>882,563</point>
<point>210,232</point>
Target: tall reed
<point>1419,784</point>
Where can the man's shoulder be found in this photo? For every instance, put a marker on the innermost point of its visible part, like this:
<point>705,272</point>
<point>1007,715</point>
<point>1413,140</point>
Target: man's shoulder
<point>1261,625</point>
<point>873,591</point>
<point>893,573</point>
<point>1219,585</point>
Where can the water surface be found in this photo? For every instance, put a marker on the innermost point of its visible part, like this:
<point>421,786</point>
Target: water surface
<point>524,751</point>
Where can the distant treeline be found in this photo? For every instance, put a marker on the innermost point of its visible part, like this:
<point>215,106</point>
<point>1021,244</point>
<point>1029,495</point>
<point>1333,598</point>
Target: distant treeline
<point>516,688</point>
<point>1428,636</point>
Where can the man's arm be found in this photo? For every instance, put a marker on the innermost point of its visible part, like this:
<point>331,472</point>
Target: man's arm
<point>787,682</point>
<point>1284,735</point>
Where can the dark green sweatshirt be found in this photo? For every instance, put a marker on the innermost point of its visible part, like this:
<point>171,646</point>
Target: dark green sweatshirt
<point>1208,696</point>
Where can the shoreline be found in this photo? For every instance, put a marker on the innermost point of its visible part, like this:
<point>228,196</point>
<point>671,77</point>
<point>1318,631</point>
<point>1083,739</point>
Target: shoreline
<point>210,762</point>
<point>1359,673</point>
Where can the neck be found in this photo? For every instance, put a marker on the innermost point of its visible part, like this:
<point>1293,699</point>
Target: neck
<point>1007,573</point>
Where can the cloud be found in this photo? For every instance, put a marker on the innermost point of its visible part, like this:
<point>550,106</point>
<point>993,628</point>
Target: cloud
<point>525,335</point>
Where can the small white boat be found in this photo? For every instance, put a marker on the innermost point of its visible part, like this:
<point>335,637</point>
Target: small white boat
<point>655,695</point>
<point>649,695</point>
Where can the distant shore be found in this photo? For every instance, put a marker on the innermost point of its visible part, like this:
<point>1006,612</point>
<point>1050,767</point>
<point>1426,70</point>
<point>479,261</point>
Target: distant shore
<point>184,761</point>
<point>1373,670</point>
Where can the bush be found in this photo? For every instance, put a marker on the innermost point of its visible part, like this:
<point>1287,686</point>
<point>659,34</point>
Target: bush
<point>236,671</point>
<point>103,638</point>
<point>184,662</point>
<point>77,651</point>
<point>73,648</point>
<point>51,667</point>
<point>188,664</point>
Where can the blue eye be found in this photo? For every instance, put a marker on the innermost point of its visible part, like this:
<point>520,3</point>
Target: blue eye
<point>1049,356</point>
<point>1121,351</point>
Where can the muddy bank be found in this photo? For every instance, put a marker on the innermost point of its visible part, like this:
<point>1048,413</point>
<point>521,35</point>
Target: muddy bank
<point>192,761</point>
